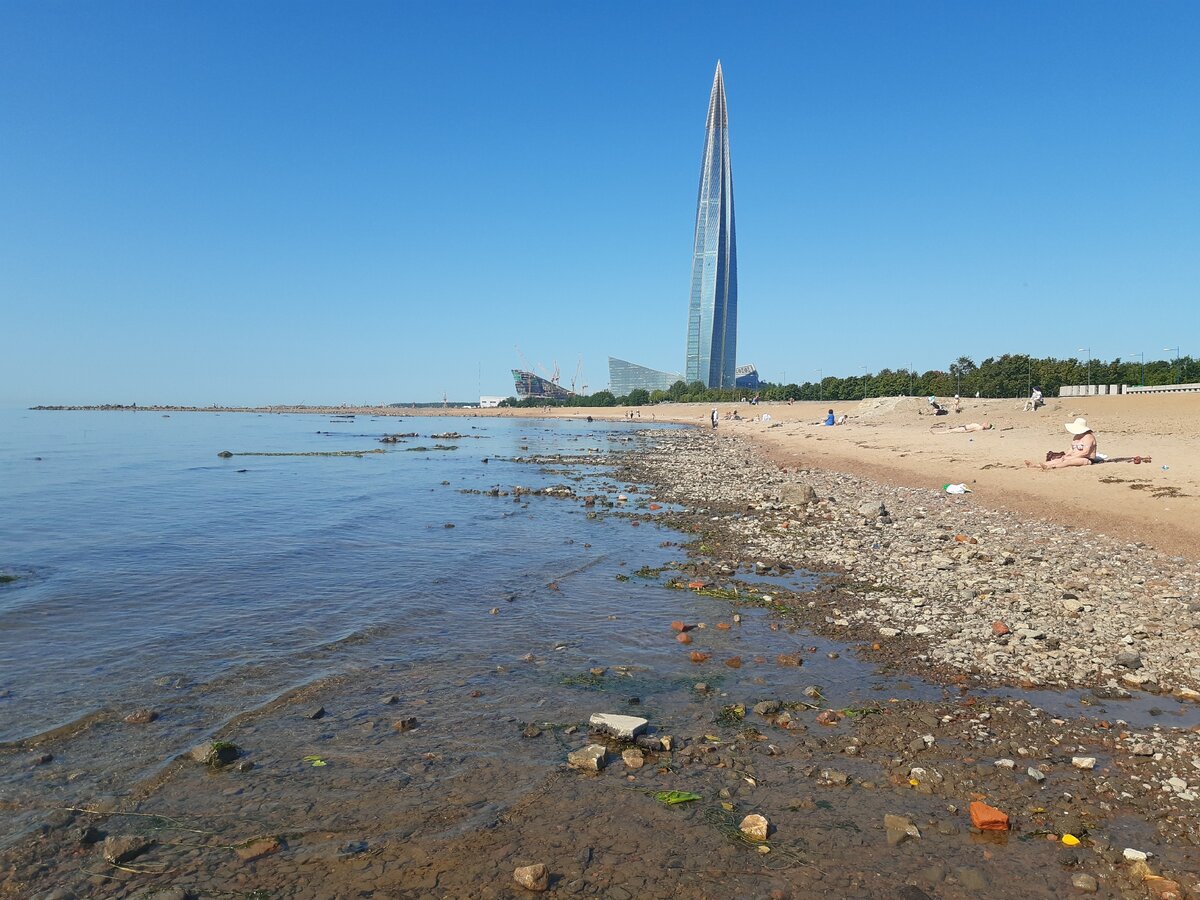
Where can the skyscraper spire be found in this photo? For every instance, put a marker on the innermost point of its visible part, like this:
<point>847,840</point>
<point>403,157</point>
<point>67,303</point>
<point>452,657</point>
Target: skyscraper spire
<point>712,308</point>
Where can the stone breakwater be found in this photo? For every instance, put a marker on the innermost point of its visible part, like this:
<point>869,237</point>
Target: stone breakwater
<point>980,591</point>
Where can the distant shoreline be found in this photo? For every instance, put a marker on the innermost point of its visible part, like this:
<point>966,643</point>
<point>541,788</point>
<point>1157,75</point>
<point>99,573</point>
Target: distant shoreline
<point>322,410</point>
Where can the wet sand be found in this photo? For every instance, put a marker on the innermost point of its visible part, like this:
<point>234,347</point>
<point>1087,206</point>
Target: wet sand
<point>450,807</point>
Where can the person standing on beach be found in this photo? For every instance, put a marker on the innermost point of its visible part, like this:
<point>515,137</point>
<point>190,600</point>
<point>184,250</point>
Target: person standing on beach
<point>714,417</point>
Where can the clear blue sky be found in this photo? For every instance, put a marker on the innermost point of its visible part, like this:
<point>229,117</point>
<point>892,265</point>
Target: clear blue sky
<point>245,202</point>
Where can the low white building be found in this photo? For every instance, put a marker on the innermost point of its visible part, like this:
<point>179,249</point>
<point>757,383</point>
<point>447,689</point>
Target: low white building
<point>490,402</point>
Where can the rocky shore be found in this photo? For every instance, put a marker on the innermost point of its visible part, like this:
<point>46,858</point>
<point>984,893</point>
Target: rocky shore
<point>989,593</point>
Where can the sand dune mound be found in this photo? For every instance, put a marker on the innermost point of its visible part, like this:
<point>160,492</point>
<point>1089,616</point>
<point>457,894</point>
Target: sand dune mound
<point>879,406</point>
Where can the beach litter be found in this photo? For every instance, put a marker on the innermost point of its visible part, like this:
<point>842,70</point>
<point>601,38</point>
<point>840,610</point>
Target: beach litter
<point>956,489</point>
<point>988,818</point>
<point>674,798</point>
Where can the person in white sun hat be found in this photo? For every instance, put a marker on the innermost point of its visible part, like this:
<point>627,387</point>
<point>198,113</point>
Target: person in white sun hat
<point>1082,452</point>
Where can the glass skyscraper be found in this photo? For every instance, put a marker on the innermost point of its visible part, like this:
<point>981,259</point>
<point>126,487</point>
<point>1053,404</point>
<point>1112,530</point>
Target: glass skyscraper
<point>712,310</point>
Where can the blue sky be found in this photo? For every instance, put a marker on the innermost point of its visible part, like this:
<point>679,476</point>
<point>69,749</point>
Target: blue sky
<point>260,202</point>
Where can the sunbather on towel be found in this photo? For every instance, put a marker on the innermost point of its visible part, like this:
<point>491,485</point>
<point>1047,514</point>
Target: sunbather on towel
<point>1082,452</point>
<point>962,429</point>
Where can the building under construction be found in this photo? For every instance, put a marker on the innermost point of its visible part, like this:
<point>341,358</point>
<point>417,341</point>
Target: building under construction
<point>537,387</point>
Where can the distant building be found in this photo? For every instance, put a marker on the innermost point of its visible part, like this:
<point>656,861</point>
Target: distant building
<point>712,308</point>
<point>530,385</point>
<point>624,376</point>
<point>746,377</point>
<point>490,402</point>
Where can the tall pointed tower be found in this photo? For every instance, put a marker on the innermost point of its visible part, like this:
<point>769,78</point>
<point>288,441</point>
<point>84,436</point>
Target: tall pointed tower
<point>712,309</point>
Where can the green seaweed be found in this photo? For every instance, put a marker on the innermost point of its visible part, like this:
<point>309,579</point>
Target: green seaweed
<point>731,715</point>
<point>585,680</point>
<point>5,578</point>
<point>650,571</point>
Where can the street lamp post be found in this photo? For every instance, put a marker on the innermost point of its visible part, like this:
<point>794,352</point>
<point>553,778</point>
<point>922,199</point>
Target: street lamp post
<point>1142,356</point>
<point>1088,351</point>
<point>820,386</point>
<point>1174,350</point>
<point>864,368</point>
<point>910,380</point>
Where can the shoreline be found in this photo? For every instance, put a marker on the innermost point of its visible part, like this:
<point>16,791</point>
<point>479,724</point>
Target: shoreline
<point>888,440</point>
<point>401,813</point>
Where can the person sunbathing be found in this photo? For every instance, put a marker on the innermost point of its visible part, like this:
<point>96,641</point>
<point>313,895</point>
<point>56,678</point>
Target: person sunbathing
<point>962,429</point>
<point>1082,452</point>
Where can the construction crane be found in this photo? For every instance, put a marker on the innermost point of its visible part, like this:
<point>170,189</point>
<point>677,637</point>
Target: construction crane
<point>524,362</point>
<point>578,373</point>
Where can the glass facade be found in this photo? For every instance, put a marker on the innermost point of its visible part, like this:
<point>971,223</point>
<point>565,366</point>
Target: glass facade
<point>747,377</point>
<point>624,376</point>
<point>712,308</point>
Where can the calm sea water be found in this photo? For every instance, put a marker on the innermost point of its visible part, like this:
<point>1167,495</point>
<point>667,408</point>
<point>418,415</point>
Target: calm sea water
<point>148,566</point>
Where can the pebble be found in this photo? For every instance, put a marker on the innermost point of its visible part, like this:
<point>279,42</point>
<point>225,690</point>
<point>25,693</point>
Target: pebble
<point>755,827</point>
<point>532,878</point>
<point>591,758</point>
<point>899,829</point>
<point>1085,883</point>
<point>1083,762</point>
<point>140,717</point>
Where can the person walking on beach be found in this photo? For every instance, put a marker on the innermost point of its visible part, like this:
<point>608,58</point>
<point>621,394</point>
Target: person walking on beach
<point>715,417</point>
<point>1082,452</point>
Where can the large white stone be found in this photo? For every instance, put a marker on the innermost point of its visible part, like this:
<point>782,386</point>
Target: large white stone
<point>624,727</point>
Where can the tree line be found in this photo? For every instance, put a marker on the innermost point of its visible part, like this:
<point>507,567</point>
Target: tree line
<point>1010,375</point>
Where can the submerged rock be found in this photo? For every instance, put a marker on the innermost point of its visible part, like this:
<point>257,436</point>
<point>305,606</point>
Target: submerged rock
<point>532,878</point>
<point>215,753</point>
<point>122,849</point>
<point>755,827</point>
<point>258,849</point>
